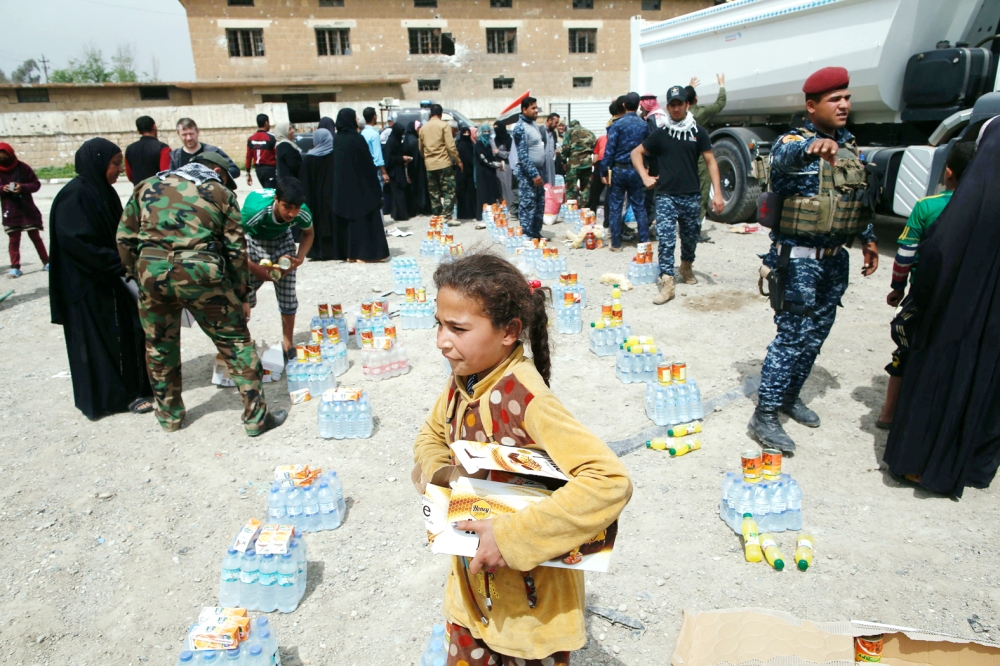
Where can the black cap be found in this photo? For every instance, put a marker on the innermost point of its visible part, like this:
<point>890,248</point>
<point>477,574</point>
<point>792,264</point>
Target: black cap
<point>676,92</point>
<point>215,159</point>
<point>631,100</point>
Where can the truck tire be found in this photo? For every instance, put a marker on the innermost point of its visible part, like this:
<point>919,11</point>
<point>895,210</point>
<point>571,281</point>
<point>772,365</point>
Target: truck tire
<point>739,190</point>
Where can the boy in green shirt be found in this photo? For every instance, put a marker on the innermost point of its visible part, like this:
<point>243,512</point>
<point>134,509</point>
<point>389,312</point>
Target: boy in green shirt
<point>268,218</point>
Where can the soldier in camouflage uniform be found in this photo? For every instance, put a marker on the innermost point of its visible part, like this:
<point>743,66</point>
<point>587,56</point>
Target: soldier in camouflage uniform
<point>181,238</point>
<point>577,148</point>
<point>704,113</point>
<point>818,177</point>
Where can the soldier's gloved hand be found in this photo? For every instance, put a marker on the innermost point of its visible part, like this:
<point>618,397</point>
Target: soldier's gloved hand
<point>870,252</point>
<point>825,149</point>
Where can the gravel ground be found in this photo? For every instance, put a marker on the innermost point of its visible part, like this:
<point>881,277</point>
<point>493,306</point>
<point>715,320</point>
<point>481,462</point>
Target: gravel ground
<point>113,531</point>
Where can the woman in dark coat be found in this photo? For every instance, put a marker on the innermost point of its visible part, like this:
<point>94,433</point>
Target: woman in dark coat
<point>465,183</point>
<point>395,165</point>
<point>287,154</point>
<point>504,143</point>
<point>104,338</point>
<point>17,208</point>
<point>487,183</point>
<point>317,177</point>
<point>946,430</point>
<point>417,202</point>
<point>357,197</point>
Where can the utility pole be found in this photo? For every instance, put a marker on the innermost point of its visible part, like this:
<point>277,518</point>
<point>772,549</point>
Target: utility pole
<point>45,67</point>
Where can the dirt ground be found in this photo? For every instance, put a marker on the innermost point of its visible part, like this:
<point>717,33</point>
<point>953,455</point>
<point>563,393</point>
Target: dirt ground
<point>113,531</point>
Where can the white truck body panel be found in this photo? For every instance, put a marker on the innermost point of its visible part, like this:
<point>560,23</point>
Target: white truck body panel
<point>767,48</point>
<point>912,179</point>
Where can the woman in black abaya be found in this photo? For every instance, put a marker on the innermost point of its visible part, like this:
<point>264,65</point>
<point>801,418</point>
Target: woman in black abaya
<point>104,338</point>
<point>357,197</point>
<point>465,182</point>
<point>395,166</point>
<point>417,202</point>
<point>946,431</point>
<point>487,182</point>
<point>317,177</point>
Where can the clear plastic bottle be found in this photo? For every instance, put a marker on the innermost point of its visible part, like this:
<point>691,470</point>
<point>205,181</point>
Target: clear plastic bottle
<point>185,658</point>
<point>324,417</point>
<point>276,512</point>
<point>293,505</point>
<point>751,539</point>
<point>267,597</point>
<point>255,656</point>
<point>229,586</point>
<point>351,419</point>
<point>287,592</point>
<point>210,657</point>
<point>365,424</point>
<point>435,651</point>
<point>339,424</point>
<point>329,511</point>
<point>778,506</point>
<point>695,407</point>
<point>310,509</point>
<point>793,501</point>
<point>297,547</point>
<point>249,576</point>
<point>744,497</point>
<point>268,646</point>
<point>337,486</point>
<point>761,507</point>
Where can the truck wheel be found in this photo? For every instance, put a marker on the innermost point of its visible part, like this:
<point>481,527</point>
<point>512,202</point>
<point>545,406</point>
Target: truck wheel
<point>739,190</point>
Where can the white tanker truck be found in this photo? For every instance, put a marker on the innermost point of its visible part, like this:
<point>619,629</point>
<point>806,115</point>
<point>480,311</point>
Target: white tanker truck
<point>922,73</point>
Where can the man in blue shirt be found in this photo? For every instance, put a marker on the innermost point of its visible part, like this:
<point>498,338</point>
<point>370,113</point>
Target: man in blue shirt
<point>618,173</point>
<point>374,140</point>
<point>529,142</point>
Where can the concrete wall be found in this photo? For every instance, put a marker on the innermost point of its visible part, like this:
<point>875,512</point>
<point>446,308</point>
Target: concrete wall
<point>51,138</point>
<point>72,98</point>
<point>478,109</point>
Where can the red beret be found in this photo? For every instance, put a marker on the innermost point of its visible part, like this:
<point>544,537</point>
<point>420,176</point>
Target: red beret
<point>825,80</point>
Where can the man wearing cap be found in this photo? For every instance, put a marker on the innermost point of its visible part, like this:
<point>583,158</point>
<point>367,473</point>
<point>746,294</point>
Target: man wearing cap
<point>818,181</point>
<point>618,173</point>
<point>181,238</point>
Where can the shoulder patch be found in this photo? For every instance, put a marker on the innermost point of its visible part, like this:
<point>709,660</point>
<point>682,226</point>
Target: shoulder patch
<point>788,138</point>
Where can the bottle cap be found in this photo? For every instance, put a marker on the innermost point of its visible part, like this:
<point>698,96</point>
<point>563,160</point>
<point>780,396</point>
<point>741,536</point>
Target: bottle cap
<point>649,443</point>
<point>255,650</point>
<point>779,565</point>
<point>748,515</point>
<point>803,565</point>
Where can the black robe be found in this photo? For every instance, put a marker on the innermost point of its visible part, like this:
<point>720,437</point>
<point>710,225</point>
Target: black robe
<point>417,202</point>
<point>104,338</point>
<point>289,160</point>
<point>947,424</point>
<point>395,166</point>
<point>357,197</point>
<point>465,183</point>
<point>487,182</point>
<point>317,177</point>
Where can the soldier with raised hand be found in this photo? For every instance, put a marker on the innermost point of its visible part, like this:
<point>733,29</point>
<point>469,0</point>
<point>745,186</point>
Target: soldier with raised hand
<point>577,148</point>
<point>181,238</point>
<point>820,181</point>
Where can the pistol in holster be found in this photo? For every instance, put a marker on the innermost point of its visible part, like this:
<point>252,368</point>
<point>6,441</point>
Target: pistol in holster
<point>775,278</point>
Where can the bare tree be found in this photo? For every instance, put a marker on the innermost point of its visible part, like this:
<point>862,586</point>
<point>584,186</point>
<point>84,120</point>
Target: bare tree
<point>3,77</point>
<point>28,72</point>
<point>154,68</point>
<point>124,63</point>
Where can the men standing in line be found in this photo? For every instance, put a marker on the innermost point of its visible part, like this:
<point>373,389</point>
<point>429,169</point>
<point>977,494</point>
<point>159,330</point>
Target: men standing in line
<point>268,218</point>
<point>260,151</point>
<point>181,238</point>
<point>148,156</point>
<point>374,141</point>
<point>577,148</point>
<point>818,175</point>
<point>676,148</point>
<point>620,176</point>
<point>703,114</point>
<point>437,146</point>
<point>187,130</point>
<point>529,142</point>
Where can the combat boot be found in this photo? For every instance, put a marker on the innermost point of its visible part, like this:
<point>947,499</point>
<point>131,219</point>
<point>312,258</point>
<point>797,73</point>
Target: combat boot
<point>800,413</point>
<point>687,273</point>
<point>272,420</point>
<point>666,290</point>
<point>765,427</point>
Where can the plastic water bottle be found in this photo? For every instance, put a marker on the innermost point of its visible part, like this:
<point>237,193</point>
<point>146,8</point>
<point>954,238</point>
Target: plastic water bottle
<point>185,658</point>
<point>695,407</point>
<point>268,643</point>
<point>744,496</point>
<point>287,592</point>
<point>337,486</point>
<point>209,657</point>
<point>291,377</point>
<point>365,424</point>
<point>351,420</point>
<point>233,656</point>
<point>793,500</point>
<point>256,656</point>
<point>325,418</point>
<point>294,506</point>
<point>229,587</point>
<point>329,511</point>
<point>249,576</point>
<point>267,583</point>
<point>310,509</point>
<point>437,631</point>
<point>275,506</point>
<point>761,507</point>
<point>435,651</point>
<point>298,548</point>
<point>339,425</point>
<point>778,512</point>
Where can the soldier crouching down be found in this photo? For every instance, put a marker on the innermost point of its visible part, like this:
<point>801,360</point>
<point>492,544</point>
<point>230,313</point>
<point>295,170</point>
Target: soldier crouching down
<point>818,181</point>
<point>181,238</point>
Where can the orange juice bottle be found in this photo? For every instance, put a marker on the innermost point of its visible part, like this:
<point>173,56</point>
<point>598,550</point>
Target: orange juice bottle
<point>751,542</point>
<point>804,553</point>
<point>771,551</point>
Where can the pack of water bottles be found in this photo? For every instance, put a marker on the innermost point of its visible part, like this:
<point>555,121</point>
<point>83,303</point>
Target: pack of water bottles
<point>309,499</point>
<point>569,318</point>
<point>763,490</point>
<point>435,648</point>
<point>385,359</point>
<point>637,360</point>
<point>317,377</point>
<point>496,220</point>
<point>569,283</point>
<point>417,313</point>
<point>264,569</point>
<point>345,413</point>
<point>405,273</point>
<point>606,339</point>
<point>243,641</point>
<point>571,215</point>
<point>331,314</point>
<point>438,238</point>
<point>550,265</point>
<point>642,269</point>
<point>372,322</point>
<point>672,397</point>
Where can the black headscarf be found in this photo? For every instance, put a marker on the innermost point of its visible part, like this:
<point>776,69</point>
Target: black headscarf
<point>347,121</point>
<point>92,161</point>
<point>501,136</point>
<point>327,123</point>
<point>393,152</point>
<point>356,190</point>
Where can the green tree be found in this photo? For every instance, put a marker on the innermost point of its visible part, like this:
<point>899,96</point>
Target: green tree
<point>124,64</point>
<point>92,68</point>
<point>3,77</point>
<point>28,72</point>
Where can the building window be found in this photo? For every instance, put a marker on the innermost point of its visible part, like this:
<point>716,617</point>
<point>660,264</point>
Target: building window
<point>428,84</point>
<point>424,41</point>
<point>502,83</point>
<point>246,43</point>
<point>651,5</point>
<point>333,41</point>
<point>425,3</point>
<point>583,4</point>
<point>241,3</point>
<point>583,40</point>
<point>583,81</point>
<point>331,3</point>
<point>154,93</point>
<point>32,95</point>
<point>500,4</point>
<point>501,40</point>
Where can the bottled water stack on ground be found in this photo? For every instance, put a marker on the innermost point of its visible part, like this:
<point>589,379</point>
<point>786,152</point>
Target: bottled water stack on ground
<point>673,398</point>
<point>417,315</point>
<point>273,579</point>
<point>642,269</point>
<point>550,265</point>
<point>345,413</point>
<point>569,283</point>
<point>315,376</point>
<point>312,504</point>
<point>256,643</point>
<point>606,340</point>
<point>372,322</point>
<point>331,314</point>
<point>405,273</point>
<point>637,360</point>
<point>380,363</point>
<point>773,498</point>
<point>568,316</point>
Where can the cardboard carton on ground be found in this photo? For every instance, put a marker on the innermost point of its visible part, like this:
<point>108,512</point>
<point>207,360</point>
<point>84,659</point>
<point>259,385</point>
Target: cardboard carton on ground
<point>271,359</point>
<point>756,636</point>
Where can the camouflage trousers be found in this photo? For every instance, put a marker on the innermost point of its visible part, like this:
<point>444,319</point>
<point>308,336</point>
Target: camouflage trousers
<point>818,284</point>
<point>441,191</point>
<point>673,213</point>
<point>197,283</point>
<point>578,184</point>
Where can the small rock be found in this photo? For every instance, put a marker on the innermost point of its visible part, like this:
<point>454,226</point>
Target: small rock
<point>660,582</point>
<point>41,638</point>
<point>391,479</point>
<point>376,290</point>
<point>176,559</point>
<point>861,307</point>
<point>197,580</point>
<point>601,637</point>
<point>622,608</point>
<point>616,649</point>
<point>104,496</point>
<point>232,480</point>
<point>718,408</point>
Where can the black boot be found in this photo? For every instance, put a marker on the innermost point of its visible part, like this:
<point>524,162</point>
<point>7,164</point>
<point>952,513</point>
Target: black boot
<point>800,413</point>
<point>272,420</point>
<point>765,427</point>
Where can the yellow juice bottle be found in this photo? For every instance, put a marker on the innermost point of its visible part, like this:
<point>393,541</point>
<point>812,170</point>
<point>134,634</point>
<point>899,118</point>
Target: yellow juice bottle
<point>771,551</point>
<point>751,542</point>
<point>804,553</point>
<point>656,444</point>
<point>686,429</point>
<point>687,446</point>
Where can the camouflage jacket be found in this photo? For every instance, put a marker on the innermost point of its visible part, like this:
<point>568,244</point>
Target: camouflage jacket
<point>578,145</point>
<point>169,212</point>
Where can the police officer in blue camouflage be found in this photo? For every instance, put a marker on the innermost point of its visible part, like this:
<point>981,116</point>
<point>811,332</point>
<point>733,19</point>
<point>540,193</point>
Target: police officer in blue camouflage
<point>818,183</point>
<point>529,142</point>
<point>620,175</point>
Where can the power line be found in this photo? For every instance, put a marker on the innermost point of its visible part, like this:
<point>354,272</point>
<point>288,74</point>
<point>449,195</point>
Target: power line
<point>45,67</point>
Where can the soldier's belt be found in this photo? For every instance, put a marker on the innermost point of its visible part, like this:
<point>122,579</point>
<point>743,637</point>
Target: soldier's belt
<point>814,252</point>
<point>173,256</point>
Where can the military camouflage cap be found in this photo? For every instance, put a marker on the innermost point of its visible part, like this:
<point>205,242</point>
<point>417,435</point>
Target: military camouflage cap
<point>216,160</point>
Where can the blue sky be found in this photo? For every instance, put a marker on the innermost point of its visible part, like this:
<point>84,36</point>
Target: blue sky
<point>60,29</point>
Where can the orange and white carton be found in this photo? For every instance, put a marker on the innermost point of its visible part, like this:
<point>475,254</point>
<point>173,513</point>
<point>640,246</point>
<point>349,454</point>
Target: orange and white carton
<point>215,637</point>
<point>247,535</point>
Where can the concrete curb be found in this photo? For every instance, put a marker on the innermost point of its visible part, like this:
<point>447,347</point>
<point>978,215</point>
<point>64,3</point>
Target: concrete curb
<point>637,441</point>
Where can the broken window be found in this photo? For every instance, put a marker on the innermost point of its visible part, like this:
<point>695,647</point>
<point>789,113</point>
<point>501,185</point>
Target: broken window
<point>428,84</point>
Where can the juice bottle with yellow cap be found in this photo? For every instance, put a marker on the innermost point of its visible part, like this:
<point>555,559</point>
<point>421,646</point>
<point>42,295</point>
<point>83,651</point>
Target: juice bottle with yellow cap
<point>751,541</point>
